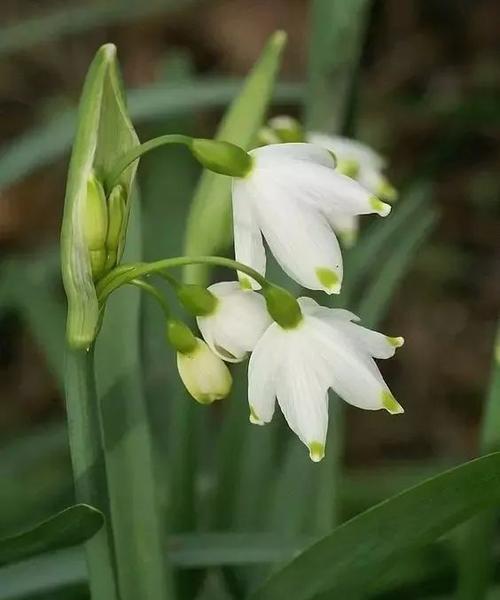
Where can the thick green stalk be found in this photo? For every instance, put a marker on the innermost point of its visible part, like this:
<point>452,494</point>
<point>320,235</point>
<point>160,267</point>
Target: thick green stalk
<point>476,556</point>
<point>88,466</point>
<point>138,528</point>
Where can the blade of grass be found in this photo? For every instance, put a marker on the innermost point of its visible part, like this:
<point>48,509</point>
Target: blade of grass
<point>70,527</point>
<point>88,466</point>
<point>476,556</point>
<point>336,40</point>
<point>46,143</point>
<point>349,561</point>
<point>138,529</point>
<point>77,19</point>
<point>209,224</point>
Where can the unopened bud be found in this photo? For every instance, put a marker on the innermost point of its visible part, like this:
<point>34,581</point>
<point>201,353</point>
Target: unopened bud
<point>283,307</point>
<point>196,299</point>
<point>95,215</point>
<point>222,157</point>
<point>287,129</point>
<point>116,217</point>
<point>205,375</point>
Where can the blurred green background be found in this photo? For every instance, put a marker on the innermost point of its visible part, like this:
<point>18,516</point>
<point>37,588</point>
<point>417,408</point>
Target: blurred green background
<point>428,98</point>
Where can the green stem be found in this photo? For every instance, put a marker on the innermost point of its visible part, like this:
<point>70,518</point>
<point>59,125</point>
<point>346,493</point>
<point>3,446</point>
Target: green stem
<point>152,291</point>
<point>476,552</point>
<point>126,273</point>
<point>88,466</point>
<point>132,155</point>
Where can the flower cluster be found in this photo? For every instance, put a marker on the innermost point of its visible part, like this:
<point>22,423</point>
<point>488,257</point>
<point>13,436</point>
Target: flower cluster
<point>295,197</point>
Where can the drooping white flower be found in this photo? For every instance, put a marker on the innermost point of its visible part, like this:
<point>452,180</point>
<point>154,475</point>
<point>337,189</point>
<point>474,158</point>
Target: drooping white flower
<point>237,322</point>
<point>298,366</point>
<point>205,375</point>
<point>292,197</point>
<point>359,161</point>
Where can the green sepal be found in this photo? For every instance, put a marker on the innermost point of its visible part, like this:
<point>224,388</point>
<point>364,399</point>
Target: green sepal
<point>222,157</point>
<point>196,299</point>
<point>283,307</point>
<point>104,132</point>
<point>180,336</point>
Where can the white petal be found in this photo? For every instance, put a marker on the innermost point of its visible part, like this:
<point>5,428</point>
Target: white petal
<point>268,156</point>
<point>300,239</point>
<point>311,307</point>
<point>354,376</point>
<point>263,373</point>
<point>302,395</point>
<point>238,322</point>
<point>248,245</point>
<point>348,149</point>
<point>371,342</point>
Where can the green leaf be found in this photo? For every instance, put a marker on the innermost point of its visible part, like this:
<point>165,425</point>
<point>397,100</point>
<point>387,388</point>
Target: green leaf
<point>476,550</point>
<point>209,224</point>
<point>45,143</point>
<point>337,29</point>
<point>347,562</point>
<point>70,527</point>
<point>76,19</point>
<point>138,528</point>
<point>103,134</point>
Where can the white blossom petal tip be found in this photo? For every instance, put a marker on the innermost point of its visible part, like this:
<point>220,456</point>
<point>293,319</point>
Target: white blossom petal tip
<point>254,419</point>
<point>316,451</point>
<point>381,208</point>
<point>329,280</point>
<point>397,342</point>
<point>390,403</point>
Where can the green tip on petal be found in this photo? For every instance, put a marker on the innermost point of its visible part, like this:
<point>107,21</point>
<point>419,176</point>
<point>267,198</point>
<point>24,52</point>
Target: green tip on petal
<point>254,419</point>
<point>316,451</point>
<point>390,404</point>
<point>397,342</point>
<point>348,237</point>
<point>329,280</point>
<point>245,283</point>
<point>350,168</point>
<point>382,208</point>
<point>208,398</point>
<point>386,191</point>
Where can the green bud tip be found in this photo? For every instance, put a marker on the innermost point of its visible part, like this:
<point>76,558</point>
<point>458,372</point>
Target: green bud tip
<point>180,336</point>
<point>329,280</point>
<point>380,207</point>
<point>267,136</point>
<point>390,404</point>
<point>350,168</point>
<point>287,129</point>
<point>348,237</point>
<point>197,300</point>
<point>397,342</point>
<point>316,451</point>
<point>245,283</point>
<point>253,418</point>
<point>95,215</point>
<point>222,157</point>
<point>283,307</point>
<point>386,191</point>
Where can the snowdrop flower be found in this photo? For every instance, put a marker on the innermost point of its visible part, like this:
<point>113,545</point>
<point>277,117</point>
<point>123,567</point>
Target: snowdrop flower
<point>236,322</point>
<point>293,196</point>
<point>360,160</point>
<point>204,374</point>
<point>297,365</point>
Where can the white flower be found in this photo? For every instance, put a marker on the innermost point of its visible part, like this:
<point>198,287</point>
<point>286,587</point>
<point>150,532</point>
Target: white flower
<point>298,366</point>
<point>204,374</point>
<point>292,197</point>
<point>237,323</point>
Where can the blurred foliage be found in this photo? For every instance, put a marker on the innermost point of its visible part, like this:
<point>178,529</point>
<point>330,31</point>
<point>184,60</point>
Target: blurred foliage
<point>428,96</point>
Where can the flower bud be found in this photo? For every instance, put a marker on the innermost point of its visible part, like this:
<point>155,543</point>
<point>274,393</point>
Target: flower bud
<point>287,129</point>
<point>283,307</point>
<point>222,157</point>
<point>95,224</point>
<point>116,218</point>
<point>196,299</point>
<point>204,374</point>
<point>180,336</point>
